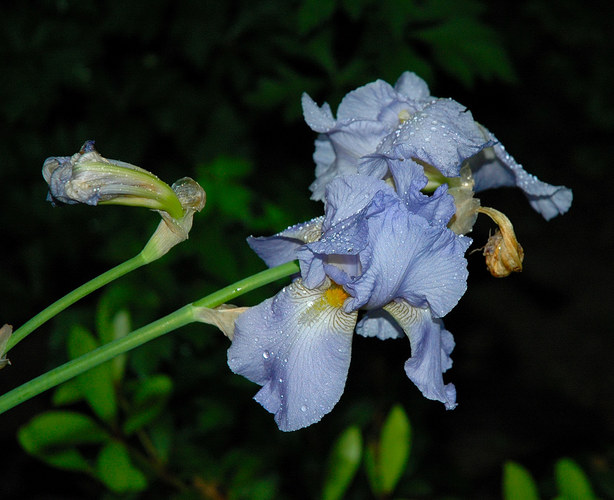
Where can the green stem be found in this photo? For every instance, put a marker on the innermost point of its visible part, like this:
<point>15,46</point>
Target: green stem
<point>72,297</point>
<point>168,323</point>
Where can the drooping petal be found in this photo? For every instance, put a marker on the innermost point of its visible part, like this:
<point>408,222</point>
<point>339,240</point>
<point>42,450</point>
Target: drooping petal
<point>379,323</point>
<point>431,346</point>
<point>282,247</point>
<point>297,346</point>
<point>495,167</point>
<point>443,134</point>
<point>413,260</point>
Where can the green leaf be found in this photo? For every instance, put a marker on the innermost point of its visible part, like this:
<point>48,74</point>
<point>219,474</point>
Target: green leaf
<point>386,459</point>
<point>518,483</point>
<point>96,384</point>
<point>54,435</point>
<point>149,400</point>
<point>343,463</point>
<point>67,393</point>
<point>571,481</point>
<point>372,469</point>
<point>395,442</point>
<point>113,322</point>
<point>161,432</point>
<point>115,469</point>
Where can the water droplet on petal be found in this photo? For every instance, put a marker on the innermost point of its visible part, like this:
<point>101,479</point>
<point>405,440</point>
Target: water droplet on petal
<point>303,408</point>
<point>266,354</point>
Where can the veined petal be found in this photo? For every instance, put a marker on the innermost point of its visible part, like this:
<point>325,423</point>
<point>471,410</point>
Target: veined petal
<point>431,346</point>
<point>379,323</point>
<point>297,346</point>
<point>443,134</point>
<point>413,260</point>
<point>282,247</point>
<point>495,167</point>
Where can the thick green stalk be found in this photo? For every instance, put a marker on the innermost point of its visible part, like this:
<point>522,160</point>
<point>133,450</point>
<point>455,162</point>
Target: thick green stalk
<point>138,337</point>
<point>72,297</point>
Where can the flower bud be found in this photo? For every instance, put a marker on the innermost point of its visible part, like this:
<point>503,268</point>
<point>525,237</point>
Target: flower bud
<point>87,177</point>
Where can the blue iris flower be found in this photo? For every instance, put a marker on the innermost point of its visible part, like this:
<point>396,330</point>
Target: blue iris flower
<point>379,122</point>
<point>397,171</point>
<point>390,255</point>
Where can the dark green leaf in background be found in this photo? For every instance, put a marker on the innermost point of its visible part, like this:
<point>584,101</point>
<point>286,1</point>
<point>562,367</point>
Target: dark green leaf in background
<point>115,469</point>
<point>386,459</point>
<point>53,437</point>
<point>149,401</point>
<point>571,481</point>
<point>518,483</point>
<point>343,463</point>
<point>96,384</point>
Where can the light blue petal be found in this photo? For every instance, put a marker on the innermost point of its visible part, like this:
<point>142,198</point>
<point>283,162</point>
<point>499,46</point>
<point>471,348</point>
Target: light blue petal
<point>297,347</point>
<point>379,323</point>
<point>409,180</point>
<point>366,102</point>
<point>413,87</point>
<point>282,247</point>
<point>348,195</point>
<point>339,246</point>
<point>318,119</point>
<point>348,143</point>
<point>495,167</point>
<point>413,260</point>
<point>326,167</point>
<point>443,134</point>
<point>431,346</point>
<point>351,202</point>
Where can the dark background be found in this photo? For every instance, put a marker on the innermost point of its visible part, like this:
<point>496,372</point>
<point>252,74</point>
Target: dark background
<point>212,90</point>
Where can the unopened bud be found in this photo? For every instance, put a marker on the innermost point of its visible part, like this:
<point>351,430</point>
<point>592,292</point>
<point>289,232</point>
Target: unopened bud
<point>87,177</point>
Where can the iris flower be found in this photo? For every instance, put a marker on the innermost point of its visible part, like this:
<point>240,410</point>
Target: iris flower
<point>374,250</point>
<point>378,123</point>
<point>397,170</point>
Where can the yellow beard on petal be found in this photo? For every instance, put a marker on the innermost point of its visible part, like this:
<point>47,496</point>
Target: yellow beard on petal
<point>335,295</point>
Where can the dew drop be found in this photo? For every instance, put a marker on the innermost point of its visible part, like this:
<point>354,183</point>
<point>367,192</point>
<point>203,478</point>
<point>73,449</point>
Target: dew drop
<point>303,408</point>
<point>266,354</point>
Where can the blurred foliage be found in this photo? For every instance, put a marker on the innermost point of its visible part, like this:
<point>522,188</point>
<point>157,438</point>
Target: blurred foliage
<point>212,90</point>
<point>570,480</point>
